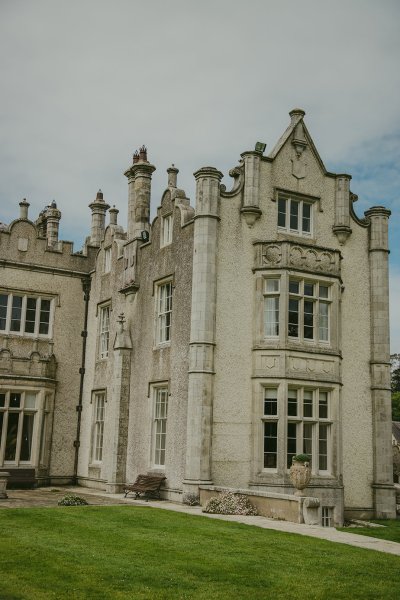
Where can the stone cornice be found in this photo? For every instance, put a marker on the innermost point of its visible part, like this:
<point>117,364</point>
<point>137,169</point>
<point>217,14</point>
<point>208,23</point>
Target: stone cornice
<point>11,264</point>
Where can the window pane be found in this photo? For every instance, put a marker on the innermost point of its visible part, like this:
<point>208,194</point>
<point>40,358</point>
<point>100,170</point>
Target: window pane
<point>291,443</point>
<point>308,320</point>
<point>16,312</point>
<point>308,403</point>
<point>307,439</point>
<point>294,286</point>
<point>323,321</point>
<point>15,400</point>
<point>292,403</point>
<point>30,400</point>
<point>3,311</point>
<point>27,434</point>
<point>323,405</point>
<point>294,215</point>
<point>272,285</point>
<point>306,218</point>
<point>30,315</point>
<point>270,402</point>
<point>281,212</point>
<point>2,400</point>
<point>308,289</point>
<point>1,427</point>
<point>44,316</point>
<point>270,445</point>
<point>323,447</point>
<point>293,324</point>
<point>12,434</point>
<point>323,291</point>
<point>271,316</point>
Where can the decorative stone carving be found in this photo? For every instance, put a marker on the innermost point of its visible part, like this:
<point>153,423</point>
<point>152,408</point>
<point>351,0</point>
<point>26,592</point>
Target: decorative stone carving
<point>299,256</point>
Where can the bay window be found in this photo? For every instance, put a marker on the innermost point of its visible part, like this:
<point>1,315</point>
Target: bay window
<point>18,414</point>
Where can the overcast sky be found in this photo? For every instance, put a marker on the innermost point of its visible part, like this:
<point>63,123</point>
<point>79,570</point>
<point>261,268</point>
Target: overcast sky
<point>85,83</point>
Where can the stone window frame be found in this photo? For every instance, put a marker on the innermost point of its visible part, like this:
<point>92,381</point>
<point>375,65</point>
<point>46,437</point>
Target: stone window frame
<point>8,397</point>
<point>159,428</point>
<point>281,419</point>
<point>317,300</point>
<point>163,313</point>
<point>167,224</point>
<point>98,423</point>
<point>103,334</point>
<point>287,197</point>
<point>261,339</point>
<point>24,309</point>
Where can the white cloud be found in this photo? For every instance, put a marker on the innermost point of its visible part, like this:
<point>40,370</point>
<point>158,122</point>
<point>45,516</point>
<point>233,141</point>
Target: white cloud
<point>394,286</point>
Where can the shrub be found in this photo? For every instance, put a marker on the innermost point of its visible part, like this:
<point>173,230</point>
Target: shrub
<point>230,503</point>
<point>72,500</point>
<point>301,458</point>
<point>191,499</point>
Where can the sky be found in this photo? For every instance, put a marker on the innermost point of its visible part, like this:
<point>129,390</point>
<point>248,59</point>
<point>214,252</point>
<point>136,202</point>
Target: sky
<point>85,83</point>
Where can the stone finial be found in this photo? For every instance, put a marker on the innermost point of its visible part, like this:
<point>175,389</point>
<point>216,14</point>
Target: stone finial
<point>135,157</point>
<point>172,176</point>
<point>23,206</point>
<point>99,196</point>
<point>296,114</point>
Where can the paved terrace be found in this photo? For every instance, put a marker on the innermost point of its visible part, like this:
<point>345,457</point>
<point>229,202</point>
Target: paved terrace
<point>49,497</point>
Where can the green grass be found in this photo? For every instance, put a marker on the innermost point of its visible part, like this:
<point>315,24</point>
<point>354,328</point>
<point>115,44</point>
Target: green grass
<point>138,552</point>
<point>390,531</point>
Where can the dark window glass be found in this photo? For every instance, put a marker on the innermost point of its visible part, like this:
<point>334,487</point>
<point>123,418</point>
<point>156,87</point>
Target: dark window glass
<point>44,316</point>
<point>294,286</point>
<point>306,218</point>
<point>307,439</point>
<point>2,400</point>
<point>15,400</point>
<point>308,320</point>
<point>16,313</point>
<point>270,402</point>
<point>26,441</point>
<point>308,289</point>
<point>3,311</point>
<point>292,403</point>
<point>293,325</point>
<point>291,443</point>
<point>281,212</point>
<point>11,439</point>
<point>30,315</point>
<point>294,215</point>
<point>270,445</point>
<point>308,404</point>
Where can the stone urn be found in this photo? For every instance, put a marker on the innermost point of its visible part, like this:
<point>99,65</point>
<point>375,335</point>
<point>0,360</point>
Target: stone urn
<point>4,475</point>
<point>300,474</point>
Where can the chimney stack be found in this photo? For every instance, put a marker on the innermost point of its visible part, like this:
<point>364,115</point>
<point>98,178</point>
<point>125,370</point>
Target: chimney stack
<point>99,209</point>
<point>23,209</point>
<point>139,186</point>
<point>52,216</point>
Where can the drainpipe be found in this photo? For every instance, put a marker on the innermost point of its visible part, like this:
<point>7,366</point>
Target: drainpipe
<point>86,297</point>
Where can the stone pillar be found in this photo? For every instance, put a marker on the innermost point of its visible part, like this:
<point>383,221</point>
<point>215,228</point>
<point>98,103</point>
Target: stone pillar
<point>99,209</point>
<point>53,216</point>
<point>172,176</point>
<point>139,186</point>
<point>384,495</point>
<point>251,194</point>
<point>119,409</point>
<point>341,227</point>
<point>202,332</point>
<point>23,209</point>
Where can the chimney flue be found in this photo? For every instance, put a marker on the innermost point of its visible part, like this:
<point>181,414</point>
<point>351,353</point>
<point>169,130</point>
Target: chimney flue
<point>23,209</point>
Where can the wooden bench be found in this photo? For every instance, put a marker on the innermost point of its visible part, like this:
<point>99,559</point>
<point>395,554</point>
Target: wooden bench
<point>21,478</point>
<point>148,485</point>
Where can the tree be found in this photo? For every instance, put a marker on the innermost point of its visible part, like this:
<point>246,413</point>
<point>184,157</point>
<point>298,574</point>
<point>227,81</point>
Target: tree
<point>395,385</point>
<point>396,406</point>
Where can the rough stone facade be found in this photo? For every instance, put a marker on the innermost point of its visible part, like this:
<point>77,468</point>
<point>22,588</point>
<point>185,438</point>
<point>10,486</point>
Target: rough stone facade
<point>211,345</point>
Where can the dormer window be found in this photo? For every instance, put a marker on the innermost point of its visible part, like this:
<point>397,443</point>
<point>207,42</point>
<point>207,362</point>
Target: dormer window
<point>295,215</point>
<point>166,230</point>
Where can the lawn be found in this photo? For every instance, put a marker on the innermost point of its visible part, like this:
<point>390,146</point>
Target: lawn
<point>138,552</point>
<point>390,531</point>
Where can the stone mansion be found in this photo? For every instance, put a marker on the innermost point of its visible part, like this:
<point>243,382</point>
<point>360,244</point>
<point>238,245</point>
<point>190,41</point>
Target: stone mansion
<point>211,345</point>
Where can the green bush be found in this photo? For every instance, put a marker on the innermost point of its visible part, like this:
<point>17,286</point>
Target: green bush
<point>72,500</point>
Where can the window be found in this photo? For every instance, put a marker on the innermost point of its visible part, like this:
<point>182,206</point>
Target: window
<point>308,427</point>
<point>164,312</point>
<point>308,310</point>
<point>270,426</point>
<point>21,314</point>
<point>160,425</point>
<point>166,230</point>
<point>17,426</point>
<point>327,516</point>
<point>271,307</point>
<point>295,215</point>
<point>98,426</point>
<point>104,332</point>
<point>107,260</point>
